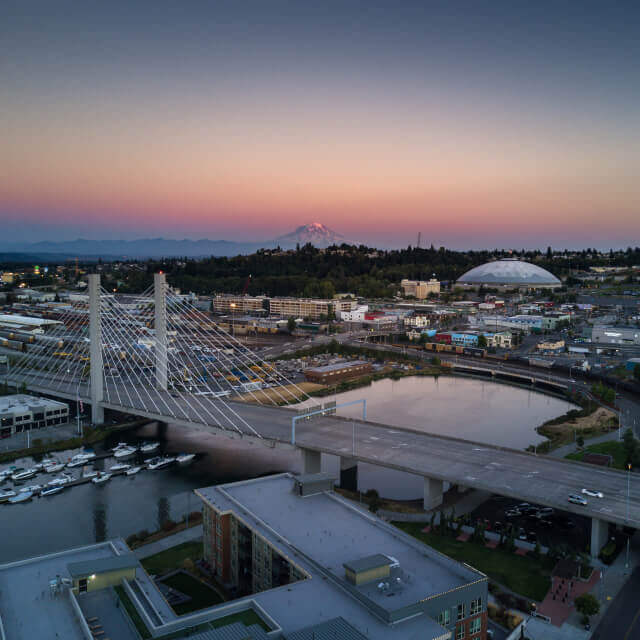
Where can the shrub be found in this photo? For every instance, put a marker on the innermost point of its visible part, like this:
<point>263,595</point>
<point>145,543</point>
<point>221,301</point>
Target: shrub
<point>587,604</point>
<point>168,524</point>
<point>132,539</point>
<point>142,535</point>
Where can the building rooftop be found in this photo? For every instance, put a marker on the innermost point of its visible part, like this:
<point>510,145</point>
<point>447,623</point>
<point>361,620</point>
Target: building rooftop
<point>112,563</point>
<point>323,532</point>
<point>509,272</point>
<point>20,402</point>
<point>338,366</point>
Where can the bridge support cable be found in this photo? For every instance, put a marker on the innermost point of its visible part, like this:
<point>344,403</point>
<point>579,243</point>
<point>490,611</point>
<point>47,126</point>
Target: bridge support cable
<point>175,408</point>
<point>214,410</point>
<point>240,352</point>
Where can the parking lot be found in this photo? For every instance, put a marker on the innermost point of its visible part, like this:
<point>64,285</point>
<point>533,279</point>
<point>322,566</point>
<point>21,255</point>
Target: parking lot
<point>534,523</point>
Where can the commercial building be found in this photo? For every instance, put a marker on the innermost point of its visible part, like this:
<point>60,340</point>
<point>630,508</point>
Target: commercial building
<point>240,304</point>
<point>556,346</point>
<point>355,314</point>
<point>332,373</point>
<point>313,309</point>
<point>417,321</point>
<point>420,289</point>
<point>500,339</point>
<point>20,412</point>
<point>509,274</point>
<point>615,335</point>
<point>350,565</point>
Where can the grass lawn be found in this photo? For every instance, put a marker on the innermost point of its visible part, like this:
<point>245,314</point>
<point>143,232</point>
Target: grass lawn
<point>202,595</point>
<point>526,576</point>
<point>133,612</point>
<point>611,448</point>
<point>172,558</point>
<point>247,617</point>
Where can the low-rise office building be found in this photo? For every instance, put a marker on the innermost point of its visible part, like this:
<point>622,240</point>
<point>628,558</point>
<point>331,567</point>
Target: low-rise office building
<point>20,412</point>
<point>420,289</point>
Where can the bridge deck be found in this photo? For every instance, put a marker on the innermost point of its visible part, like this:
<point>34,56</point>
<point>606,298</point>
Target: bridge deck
<point>539,479</point>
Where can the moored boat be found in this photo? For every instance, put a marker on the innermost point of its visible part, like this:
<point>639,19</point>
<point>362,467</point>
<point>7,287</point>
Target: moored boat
<point>133,470</point>
<point>21,497</point>
<point>148,447</point>
<point>160,463</point>
<point>24,475</point>
<point>185,458</point>
<point>121,466</point>
<point>54,467</point>
<point>125,452</point>
<point>101,478</point>
<point>34,488</point>
<point>5,495</point>
<point>49,491</point>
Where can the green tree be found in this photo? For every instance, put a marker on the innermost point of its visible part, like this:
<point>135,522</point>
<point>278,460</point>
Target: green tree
<point>580,441</point>
<point>291,324</point>
<point>587,604</point>
<point>482,342</point>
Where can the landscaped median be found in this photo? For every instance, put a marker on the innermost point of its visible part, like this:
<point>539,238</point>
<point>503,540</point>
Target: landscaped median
<point>526,575</point>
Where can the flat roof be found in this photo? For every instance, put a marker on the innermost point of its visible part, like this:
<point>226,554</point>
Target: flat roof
<point>25,320</point>
<point>329,532</point>
<point>329,630</point>
<point>367,563</point>
<point>21,402</point>
<point>102,565</point>
<point>337,366</point>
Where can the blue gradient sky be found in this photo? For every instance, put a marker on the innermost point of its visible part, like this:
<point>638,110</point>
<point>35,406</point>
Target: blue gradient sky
<point>479,124</point>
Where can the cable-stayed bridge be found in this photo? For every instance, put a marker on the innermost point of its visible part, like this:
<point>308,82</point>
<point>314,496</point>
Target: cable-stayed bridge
<point>160,357</point>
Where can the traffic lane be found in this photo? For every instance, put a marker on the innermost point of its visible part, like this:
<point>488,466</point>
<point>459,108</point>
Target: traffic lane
<point>622,618</point>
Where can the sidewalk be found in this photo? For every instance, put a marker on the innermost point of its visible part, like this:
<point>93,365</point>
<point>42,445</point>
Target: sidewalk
<point>566,449</point>
<point>188,535</point>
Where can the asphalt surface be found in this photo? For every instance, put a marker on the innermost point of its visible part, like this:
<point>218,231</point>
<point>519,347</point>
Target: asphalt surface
<point>622,619</point>
<point>525,477</point>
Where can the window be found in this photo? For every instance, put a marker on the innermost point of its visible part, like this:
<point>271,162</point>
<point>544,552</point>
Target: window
<point>475,626</point>
<point>445,617</point>
<point>460,612</point>
<point>460,632</point>
<point>476,606</point>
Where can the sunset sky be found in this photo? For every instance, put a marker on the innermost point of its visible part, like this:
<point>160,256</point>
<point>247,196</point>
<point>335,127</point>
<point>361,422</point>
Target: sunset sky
<point>481,124</point>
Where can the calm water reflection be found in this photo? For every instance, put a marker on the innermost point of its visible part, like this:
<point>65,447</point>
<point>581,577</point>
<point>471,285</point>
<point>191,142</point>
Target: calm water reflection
<point>471,409</point>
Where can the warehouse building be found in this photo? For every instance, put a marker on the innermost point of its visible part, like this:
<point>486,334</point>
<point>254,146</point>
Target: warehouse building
<point>615,335</point>
<point>20,412</point>
<point>332,373</point>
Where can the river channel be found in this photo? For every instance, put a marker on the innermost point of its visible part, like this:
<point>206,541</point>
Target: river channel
<point>473,409</point>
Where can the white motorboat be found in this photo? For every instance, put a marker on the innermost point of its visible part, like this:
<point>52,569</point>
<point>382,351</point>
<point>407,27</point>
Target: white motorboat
<point>148,447</point>
<point>133,470</point>
<point>49,491</point>
<point>5,495</point>
<point>185,458</point>
<point>54,468</point>
<point>124,453</point>
<point>81,459</point>
<point>60,481</point>
<point>24,475</point>
<point>21,497</point>
<point>89,472</point>
<point>121,466</point>
<point>120,445</point>
<point>34,488</point>
<point>160,463</point>
<point>101,478</point>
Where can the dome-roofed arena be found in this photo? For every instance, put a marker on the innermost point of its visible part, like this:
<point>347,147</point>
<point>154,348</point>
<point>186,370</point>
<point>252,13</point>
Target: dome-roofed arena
<point>509,273</point>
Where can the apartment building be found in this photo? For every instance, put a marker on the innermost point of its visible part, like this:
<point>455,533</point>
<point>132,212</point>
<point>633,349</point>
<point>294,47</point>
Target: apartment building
<point>420,289</point>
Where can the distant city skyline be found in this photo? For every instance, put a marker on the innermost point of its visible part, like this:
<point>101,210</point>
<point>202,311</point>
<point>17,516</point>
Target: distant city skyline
<point>480,125</point>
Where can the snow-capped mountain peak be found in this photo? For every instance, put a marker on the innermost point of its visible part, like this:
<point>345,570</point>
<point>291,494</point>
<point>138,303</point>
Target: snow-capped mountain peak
<point>316,233</point>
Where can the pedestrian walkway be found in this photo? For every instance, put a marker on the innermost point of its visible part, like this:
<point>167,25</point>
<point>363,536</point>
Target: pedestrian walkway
<point>565,450</point>
<point>187,535</point>
<point>558,603</point>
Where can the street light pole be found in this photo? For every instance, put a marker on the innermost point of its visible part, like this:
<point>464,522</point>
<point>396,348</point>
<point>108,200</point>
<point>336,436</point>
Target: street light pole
<point>626,564</point>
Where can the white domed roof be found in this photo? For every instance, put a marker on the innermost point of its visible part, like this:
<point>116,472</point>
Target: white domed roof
<point>509,271</point>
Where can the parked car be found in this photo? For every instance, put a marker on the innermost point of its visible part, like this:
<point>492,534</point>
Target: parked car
<point>545,512</point>
<point>512,513</point>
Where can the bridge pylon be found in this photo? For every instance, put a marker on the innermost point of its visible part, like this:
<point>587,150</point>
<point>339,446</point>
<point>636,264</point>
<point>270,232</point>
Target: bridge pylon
<point>160,326</point>
<point>95,338</point>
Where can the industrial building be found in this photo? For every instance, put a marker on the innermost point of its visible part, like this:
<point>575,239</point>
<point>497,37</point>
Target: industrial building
<point>420,289</point>
<point>350,564</point>
<point>509,273</point>
<point>20,412</point>
<point>333,373</point>
<point>26,323</point>
<point>615,335</point>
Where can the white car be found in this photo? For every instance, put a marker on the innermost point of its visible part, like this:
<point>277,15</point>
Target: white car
<point>593,493</point>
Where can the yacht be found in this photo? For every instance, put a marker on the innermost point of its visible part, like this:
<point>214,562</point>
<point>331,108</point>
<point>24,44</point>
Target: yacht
<point>148,447</point>
<point>5,495</point>
<point>55,467</point>
<point>160,463</point>
<point>21,497</point>
<point>60,480</point>
<point>185,458</point>
<point>24,475</point>
<point>133,470</point>
<point>121,466</point>
<point>49,491</point>
<point>101,478</point>
<point>80,459</point>
<point>34,488</point>
<point>125,452</point>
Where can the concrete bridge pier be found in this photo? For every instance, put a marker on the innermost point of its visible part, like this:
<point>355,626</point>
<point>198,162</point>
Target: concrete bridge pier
<point>432,496</point>
<point>311,461</point>
<point>161,430</point>
<point>349,473</point>
<point>599,536</point>
<point>95,350</point>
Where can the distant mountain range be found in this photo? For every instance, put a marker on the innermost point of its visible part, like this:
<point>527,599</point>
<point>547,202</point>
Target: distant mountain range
<point>316,233</point>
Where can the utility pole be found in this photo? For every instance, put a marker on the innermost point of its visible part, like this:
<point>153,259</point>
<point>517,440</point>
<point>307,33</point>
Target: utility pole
<point>95,350</point>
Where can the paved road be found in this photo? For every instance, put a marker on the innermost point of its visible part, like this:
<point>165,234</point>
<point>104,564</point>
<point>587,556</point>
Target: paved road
<point>622,619</point>
<point>516,474</point>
